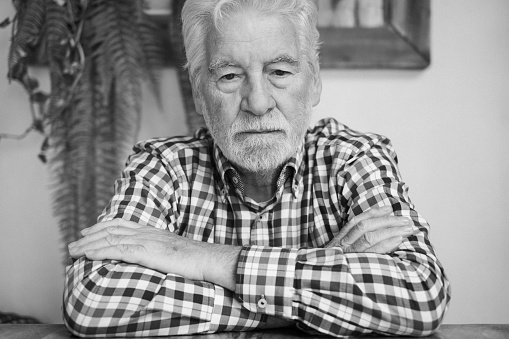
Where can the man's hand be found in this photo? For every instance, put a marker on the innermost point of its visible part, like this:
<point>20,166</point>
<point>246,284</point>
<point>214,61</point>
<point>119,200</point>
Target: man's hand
<point>158,249</point>
<point>373,231</point>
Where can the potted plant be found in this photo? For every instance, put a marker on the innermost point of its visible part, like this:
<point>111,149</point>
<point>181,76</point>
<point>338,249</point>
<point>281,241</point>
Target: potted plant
<point>98,52</point>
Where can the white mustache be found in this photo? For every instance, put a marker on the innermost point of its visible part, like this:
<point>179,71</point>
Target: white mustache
<point>268,122</point>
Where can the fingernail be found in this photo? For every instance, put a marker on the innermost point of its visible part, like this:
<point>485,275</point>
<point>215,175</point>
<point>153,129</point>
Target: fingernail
<point>84,231</point>
<point>408,229</point>
<point>386,208</point>
<point>405,221</point>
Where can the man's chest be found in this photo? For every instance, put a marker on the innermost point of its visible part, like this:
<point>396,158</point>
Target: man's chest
<point>308,219</point>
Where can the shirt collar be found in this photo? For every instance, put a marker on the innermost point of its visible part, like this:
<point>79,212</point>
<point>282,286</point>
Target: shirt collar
<point>293,169</point>
<point>223,165</point>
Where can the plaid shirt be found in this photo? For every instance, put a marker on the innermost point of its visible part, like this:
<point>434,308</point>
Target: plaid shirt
<point>187,186</point>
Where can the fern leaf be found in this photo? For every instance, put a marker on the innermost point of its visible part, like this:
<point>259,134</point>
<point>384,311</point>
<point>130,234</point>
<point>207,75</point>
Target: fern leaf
<point>64,192</point>
<point>124,52</point>
<point>57,46</point>
<point>72,162</point>
<point>93,117</point>
<point>107,163</point>
<point>29,26</point>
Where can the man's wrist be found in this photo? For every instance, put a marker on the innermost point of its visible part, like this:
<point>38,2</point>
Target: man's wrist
<point>220,265</point>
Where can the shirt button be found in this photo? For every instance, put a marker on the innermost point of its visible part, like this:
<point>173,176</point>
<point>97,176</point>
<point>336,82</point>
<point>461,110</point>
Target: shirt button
<point>262,303</point>
<point>296,188</point>
<point>235,180</point>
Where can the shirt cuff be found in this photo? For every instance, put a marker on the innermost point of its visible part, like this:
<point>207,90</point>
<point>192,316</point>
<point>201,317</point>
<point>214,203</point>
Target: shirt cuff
<point>229,315</point>
<point>265,279</point>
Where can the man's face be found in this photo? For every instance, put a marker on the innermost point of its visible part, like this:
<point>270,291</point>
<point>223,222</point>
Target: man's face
<point>257,90</point>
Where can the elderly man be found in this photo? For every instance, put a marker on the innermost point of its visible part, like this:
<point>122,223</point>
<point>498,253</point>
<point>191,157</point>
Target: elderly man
<point>257,221</point>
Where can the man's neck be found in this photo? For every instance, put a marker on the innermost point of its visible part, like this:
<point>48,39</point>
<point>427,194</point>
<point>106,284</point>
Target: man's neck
<point>260,186</point>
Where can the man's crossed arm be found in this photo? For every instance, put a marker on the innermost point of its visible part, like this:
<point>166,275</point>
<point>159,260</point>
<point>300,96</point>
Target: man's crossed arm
<point>202,278</point>
<point>374,231</point>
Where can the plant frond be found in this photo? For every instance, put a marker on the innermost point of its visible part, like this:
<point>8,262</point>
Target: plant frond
<point>82,140</point>
<point>124,53</point>
<point>72,162</point>
<point>63,182</point>
<point>28,31</point>
<point>108,164</point>
<point>99,52</point>
<point>63,53</point>
<point>59,32</point>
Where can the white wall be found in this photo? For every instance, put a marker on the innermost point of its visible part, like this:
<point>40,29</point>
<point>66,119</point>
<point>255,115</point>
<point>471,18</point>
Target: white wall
<point>448,123</point>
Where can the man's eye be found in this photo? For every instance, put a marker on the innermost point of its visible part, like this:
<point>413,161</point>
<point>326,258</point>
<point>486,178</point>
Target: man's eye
<point>229,76</point>
<point>280,73</point>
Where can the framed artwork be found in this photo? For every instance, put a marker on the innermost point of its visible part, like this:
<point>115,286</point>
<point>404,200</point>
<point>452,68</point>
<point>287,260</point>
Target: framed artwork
<point>355,34</point>
<point>369,34</point>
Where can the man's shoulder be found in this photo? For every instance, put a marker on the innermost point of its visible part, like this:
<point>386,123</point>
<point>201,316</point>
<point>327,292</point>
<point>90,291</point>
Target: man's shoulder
<point>336,137</point>
<point>177,147</point>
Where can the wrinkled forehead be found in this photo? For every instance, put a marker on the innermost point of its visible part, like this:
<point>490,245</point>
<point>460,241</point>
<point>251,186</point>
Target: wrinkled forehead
<point>235,24</point>
<point>273,33</point>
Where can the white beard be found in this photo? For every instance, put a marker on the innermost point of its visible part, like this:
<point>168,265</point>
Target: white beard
<point>253,152</point>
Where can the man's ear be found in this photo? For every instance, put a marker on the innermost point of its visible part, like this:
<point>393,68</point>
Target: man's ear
<point>197,97</point>
<point>316,91</point>
<point>198,101</point>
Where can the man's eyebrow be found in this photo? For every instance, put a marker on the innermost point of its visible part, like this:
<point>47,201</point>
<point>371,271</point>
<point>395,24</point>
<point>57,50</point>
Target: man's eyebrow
<point>285,58</point>
<point>216,65</point>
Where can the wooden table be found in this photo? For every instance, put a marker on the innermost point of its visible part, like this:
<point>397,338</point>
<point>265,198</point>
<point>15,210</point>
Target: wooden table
<point>445,332</point>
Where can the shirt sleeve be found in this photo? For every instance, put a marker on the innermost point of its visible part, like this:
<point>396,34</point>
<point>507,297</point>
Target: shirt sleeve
<point>345,294</point>
<point>113,298</point>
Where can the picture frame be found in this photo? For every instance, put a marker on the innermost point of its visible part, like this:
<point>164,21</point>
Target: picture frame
<point>402,41</point>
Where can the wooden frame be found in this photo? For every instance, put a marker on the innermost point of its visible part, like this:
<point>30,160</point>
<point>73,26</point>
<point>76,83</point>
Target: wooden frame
<point>403,42</point>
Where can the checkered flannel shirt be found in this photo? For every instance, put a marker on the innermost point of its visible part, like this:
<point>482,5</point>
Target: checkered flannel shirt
<point>186,185</point>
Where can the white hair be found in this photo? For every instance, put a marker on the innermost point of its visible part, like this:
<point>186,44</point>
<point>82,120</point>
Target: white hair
<point>199,17</point>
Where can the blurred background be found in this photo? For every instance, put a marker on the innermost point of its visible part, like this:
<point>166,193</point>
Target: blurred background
<point>449,124</point>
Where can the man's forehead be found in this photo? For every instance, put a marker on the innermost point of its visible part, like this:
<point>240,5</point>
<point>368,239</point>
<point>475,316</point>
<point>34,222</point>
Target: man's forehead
<point>249,25</point>
<point>242,37</point>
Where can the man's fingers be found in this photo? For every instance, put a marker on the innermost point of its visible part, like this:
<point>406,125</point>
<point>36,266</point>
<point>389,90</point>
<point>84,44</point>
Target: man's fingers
<point>122,252</point>
<point>103,233</point>
<point>367,226</point>
<point>121,242</point>
<point>79,248</point>
<point>371,213</point>
<point>373,238</point>
<point>110,223</point>
<point>386,246</point>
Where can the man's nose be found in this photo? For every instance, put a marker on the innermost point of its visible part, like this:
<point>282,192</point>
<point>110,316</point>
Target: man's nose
<point>257,97</point>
